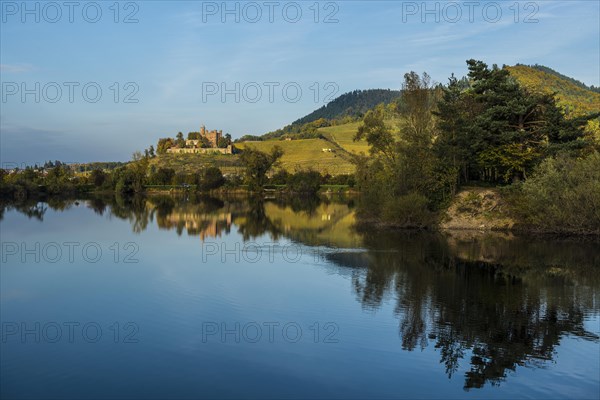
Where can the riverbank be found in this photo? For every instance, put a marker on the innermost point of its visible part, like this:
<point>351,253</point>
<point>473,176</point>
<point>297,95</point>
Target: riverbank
<point>472,212</point>
<point>478,208</point>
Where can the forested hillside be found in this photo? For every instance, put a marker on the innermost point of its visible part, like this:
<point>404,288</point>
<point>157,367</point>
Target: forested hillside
<point>351,104</point>
<point>574,96</point>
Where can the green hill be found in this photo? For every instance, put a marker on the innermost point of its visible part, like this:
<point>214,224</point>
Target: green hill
<point>343,136</point>
<point>346,108</point>
<point>573,95</point>
<point>190,163</point>
<point>558,74</point>
<point>311,134</point>
<point>351,104</point>
<point>307,153</point>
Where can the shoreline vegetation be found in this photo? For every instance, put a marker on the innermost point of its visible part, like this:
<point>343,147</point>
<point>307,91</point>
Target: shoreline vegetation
<point>481,153</point>
<point>475,211</point>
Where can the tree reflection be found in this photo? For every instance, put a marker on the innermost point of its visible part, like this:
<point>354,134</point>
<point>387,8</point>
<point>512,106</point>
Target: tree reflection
<point>502,316</point>
<point>492,303</point>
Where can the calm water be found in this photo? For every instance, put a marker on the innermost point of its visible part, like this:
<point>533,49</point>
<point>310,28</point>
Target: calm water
<point>187,297</point>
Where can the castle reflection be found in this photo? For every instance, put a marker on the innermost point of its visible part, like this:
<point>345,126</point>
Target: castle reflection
<point>205,225</point>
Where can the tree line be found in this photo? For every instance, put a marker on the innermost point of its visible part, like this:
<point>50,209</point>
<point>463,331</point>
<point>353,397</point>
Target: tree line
<point>142,174</point>
<point>486,129</point>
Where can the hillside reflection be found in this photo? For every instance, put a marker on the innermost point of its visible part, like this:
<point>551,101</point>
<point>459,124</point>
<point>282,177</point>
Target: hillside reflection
<point>488,303</point>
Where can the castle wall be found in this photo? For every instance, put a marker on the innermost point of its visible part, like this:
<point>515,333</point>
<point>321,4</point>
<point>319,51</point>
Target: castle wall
<point>228,150</point>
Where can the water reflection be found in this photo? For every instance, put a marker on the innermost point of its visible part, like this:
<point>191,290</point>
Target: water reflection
<point>493,302</point>
<point>503,315</point>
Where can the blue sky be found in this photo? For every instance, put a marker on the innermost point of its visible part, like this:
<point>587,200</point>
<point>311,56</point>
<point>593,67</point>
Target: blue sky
<point>178,56</point>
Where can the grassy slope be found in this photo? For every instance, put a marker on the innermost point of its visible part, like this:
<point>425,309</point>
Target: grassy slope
<point>305,154</point>
<point>578,99</point>
<point>189,163</point>
<point>343,135</point>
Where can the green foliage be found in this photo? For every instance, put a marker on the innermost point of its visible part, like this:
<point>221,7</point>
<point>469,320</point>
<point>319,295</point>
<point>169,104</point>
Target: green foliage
<point>409,211</point>
<point>378,134</point>
<point>498,131</point>
<point>353,104</point>
<point>182,179</point>
<point>306,182</point>
<point>563,77</point>
<point>562,195</point>
<point>179,140</point>
<point>162,176</point>
<point>403,183</point>
<point>340,180</point>
<point>574,97</point>
<point>223,142</point>
<point>98,178</point>
<point>164,144</point>
<point>249,138</point>
<point>210,178</point>
<point>307,153</point>
<point>132,178</point>
<point>103,166</point>
<point>257,164</point>
<point>347,108</point>
<point>59,180</point>
<point>126,181</point>
<point>204,142</point>
<point>308,130</point>
<point>281,177</point>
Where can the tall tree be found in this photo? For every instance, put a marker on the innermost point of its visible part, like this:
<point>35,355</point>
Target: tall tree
<point>257,164</point>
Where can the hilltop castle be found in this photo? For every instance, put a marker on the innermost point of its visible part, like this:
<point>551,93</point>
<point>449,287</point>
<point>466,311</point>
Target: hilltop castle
<point>212,136</point>
<point>195,145</point>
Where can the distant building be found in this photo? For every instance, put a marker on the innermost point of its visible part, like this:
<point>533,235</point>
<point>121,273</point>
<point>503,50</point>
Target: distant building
<point>194,146</point>
<point>212,136</point>
<point>199,150</point>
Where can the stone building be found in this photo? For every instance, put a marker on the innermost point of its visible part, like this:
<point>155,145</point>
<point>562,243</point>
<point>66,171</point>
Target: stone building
<point>195,145</point>
<point>212,136</point>
<point>199,150</point>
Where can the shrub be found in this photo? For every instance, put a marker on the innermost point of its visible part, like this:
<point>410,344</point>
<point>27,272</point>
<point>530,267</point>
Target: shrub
<point>211,178</point>
<point>98,178</point>
<point>306,182</point>
<point>562,195</point>
<point>163,176</point>
<point>409,211</point>
<point>281,177</point>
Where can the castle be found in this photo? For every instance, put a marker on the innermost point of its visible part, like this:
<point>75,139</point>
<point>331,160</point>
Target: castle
<point>195,145</point>
<point>212,136</point>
